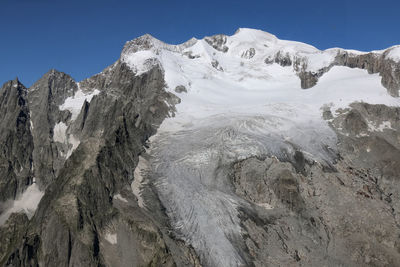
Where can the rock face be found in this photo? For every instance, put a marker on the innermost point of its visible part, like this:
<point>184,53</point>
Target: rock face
<point>78,212</point>
<point>16,141</point>
<point>249,53</point>
<point>218,42</point>
<point>44,98</point>
<point>166,160</point>
<point>283,60</point>
<point>316,218</point>
<point>334,214</point>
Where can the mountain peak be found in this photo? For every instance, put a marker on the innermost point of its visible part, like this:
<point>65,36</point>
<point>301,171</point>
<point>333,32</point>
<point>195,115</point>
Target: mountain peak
<point>144,42</point>
<point>13,84</point>
<point>254,33</point>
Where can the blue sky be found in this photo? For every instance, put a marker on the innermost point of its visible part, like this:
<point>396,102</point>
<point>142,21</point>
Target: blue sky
<point>82,37</point>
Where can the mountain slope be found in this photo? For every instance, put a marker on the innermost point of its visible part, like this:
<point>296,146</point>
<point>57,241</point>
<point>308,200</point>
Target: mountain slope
<point>240,150</point>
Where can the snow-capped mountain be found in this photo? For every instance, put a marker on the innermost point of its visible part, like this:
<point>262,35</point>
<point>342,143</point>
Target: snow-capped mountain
<point>242,150</point>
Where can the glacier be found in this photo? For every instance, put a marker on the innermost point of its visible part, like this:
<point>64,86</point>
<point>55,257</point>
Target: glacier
<point>236,107</point>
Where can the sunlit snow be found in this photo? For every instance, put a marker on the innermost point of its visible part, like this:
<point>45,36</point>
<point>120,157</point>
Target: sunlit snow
<point>74,103</point>
<point>27,202</point>
<point>111,238</point>
<point>394,53</point>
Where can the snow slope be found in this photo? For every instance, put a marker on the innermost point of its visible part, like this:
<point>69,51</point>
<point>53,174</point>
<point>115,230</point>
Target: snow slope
<point>27,202</point>
<point>394,53</point>
<point>248,84</point>
<point>237,106</point>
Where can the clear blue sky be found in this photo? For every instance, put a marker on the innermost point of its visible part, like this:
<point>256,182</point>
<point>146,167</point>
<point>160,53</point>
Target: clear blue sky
<point>83,37</point>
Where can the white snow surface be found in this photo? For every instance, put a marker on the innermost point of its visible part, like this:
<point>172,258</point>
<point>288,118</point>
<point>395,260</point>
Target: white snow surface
<point>394,53</point>
<point>250,85</point>
<point>27,202</point>
<point>248,108</point>
<point>111,238</point>
<point>119,197</point>
<point>59,133</point>
<point>74,103</point>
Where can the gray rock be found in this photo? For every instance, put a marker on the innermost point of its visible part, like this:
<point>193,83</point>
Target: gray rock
<point>190,55</point>
<point>78,210</point>
<point>45,97</point>
<point>216,65</point>
<point>15,141</point>
<point>249,53</point>
<point>283,59</point>
<point>269,60</point>
<point>144,42</point>
<point>315,219</point>
<point>11,233</point>
<point>301,214</point>
<point>218,42</point>
<point>180,89</point>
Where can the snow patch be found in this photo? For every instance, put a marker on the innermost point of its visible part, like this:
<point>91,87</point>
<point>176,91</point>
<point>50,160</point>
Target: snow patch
<point>111,238</point>
<point>265,206</point>
<point>138,180</point>
<point>74,144</point>
<point>379,128</point>
<point>319,60</point>
<point>119,197</point>
<point>31,125</point>
<point>141,61</point>
<point>27,202</point>
<point>60,133</point>
<point>74,103</point>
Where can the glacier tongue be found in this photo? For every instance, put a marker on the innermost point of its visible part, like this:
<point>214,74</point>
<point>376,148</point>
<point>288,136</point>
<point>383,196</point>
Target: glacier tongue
<point>191,173</point>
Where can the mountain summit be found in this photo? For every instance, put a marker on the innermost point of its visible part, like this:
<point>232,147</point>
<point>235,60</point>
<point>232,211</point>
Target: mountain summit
<point>242,150</point>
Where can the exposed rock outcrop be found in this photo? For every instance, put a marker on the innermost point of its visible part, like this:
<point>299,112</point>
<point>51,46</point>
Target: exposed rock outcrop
<point>45,97</point>
<point>15,141</point>
<point>249,53</point>
<point>283,59</point>
<point>218,42</point>
<point>180,89</point>
<point>319,218</point>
